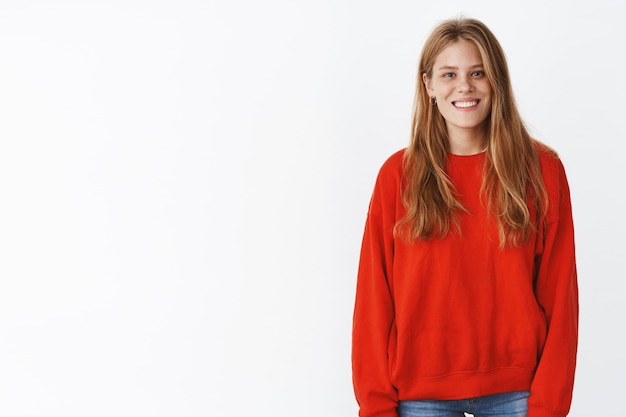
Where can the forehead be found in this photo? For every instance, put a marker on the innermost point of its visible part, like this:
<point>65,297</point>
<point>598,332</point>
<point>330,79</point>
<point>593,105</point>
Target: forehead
<point>460,53</point>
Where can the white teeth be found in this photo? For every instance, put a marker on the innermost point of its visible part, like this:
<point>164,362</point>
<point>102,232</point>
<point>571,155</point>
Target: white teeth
<point>465,104</point>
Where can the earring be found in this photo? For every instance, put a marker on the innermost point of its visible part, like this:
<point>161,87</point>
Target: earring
<point>433,101</point>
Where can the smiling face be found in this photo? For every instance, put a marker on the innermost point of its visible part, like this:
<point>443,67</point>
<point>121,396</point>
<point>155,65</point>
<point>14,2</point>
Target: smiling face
<point>463,93</point>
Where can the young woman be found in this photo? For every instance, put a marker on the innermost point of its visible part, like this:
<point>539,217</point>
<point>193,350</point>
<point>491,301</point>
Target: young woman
<point>467,298</point>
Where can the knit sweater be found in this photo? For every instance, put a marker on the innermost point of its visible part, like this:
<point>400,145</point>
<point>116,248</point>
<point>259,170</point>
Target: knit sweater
<point>457,317</point>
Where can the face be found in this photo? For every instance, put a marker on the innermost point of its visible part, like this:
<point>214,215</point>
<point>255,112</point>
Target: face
<point>462,89</point>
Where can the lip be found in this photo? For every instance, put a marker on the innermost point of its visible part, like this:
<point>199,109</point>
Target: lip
<point>466,101</point>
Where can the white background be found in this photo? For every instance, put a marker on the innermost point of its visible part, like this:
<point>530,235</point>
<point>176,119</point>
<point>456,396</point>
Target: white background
<point>183,187</point>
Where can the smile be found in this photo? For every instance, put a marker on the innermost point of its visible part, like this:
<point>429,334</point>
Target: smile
<point>465,104</point>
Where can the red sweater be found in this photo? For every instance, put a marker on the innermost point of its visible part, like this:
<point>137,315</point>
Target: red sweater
<point>457,317</point>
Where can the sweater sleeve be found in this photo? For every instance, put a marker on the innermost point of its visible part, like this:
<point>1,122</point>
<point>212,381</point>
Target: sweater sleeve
<point>556,290</point>
<point>374,312</point>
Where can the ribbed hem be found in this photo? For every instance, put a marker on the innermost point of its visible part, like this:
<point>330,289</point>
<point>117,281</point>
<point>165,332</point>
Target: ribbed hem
<point>467,384</point>
<point>363,412</point>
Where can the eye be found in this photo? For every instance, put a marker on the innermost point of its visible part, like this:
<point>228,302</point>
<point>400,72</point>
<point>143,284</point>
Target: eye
<point>448,75</point>
<point>478,74</point>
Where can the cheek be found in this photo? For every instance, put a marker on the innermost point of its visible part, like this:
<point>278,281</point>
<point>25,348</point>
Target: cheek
<point>440,89</point>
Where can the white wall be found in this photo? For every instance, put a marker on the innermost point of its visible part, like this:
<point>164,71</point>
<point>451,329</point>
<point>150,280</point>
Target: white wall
<point>183,186</point>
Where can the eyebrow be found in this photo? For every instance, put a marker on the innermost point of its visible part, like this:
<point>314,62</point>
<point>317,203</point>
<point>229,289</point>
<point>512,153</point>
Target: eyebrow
<point>448,67</point>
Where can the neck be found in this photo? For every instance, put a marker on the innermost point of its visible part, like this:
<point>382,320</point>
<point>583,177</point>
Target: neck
<point>467,143</point>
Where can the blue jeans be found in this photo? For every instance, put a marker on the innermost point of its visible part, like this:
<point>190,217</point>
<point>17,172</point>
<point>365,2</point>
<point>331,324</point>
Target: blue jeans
<point>509,404</point>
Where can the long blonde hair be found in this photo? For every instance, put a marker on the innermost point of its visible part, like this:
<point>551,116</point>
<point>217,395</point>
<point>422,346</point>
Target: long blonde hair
<point>511,176</point>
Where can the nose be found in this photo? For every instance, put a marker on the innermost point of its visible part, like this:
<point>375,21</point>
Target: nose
<point>464,84</point>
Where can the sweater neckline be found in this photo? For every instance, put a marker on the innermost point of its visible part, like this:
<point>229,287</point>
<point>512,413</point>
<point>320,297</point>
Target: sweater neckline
<point>474,159</point>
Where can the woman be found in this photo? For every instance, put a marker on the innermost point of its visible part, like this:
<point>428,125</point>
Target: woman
<point>467,298</point>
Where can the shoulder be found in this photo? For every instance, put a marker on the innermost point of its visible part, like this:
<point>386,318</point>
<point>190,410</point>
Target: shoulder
<point>388,184</point>
<point>391,172</point>
<point>393,165</point>
<point>545,152</point>
<point>554,178</point>
<point>551,165</point>
<point>395,159</point>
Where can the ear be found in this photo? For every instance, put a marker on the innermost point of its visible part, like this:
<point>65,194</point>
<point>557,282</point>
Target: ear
<point>426,82</point>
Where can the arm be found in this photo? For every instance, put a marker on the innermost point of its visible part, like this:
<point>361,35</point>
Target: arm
<point>374,311</point>
<point>557,293</point>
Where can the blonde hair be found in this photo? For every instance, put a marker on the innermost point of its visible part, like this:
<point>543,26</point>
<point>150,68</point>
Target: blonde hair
<point>511,176</point>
